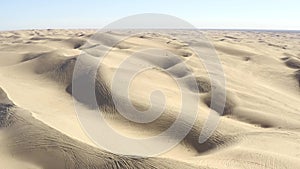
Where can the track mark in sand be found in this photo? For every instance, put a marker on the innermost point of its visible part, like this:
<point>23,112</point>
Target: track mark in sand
<point>5,105</point>
<point>5,115</point>
<point>216,142</point>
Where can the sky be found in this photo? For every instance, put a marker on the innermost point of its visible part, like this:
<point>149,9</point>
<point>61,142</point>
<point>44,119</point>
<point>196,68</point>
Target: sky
<point>209,14</point>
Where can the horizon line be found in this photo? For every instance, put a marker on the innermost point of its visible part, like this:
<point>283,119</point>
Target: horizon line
<point>205,29</point>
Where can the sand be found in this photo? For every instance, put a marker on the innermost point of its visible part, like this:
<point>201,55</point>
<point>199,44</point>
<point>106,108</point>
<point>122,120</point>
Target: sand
<point>259,127</point>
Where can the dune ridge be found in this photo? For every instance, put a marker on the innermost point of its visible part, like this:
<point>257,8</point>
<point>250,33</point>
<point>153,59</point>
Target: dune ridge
<point>259,127</point>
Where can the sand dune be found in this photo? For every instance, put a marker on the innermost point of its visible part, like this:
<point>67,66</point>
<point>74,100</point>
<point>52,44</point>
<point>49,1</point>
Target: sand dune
<point>31,140</point>
<point>258,128</point>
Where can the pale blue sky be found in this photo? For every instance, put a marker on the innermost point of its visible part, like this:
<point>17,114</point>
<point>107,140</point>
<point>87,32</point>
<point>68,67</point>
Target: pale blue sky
<point>217,14</point>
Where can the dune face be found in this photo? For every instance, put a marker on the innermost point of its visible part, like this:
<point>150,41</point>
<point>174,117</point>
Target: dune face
<point>30,140</point>
<point>258,127</point>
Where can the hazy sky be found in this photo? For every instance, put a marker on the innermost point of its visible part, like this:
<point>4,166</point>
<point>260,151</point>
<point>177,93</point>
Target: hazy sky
<point>220,14</point>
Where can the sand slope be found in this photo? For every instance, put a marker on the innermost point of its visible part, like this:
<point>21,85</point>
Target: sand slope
<point>260,126</point>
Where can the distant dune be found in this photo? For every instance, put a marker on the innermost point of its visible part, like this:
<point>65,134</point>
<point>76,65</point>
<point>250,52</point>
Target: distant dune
<point>259,126</point>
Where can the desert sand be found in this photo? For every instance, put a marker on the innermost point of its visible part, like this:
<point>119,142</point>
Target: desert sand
<point>259,128</point>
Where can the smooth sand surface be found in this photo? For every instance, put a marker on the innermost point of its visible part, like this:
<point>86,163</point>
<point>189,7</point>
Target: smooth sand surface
<point>259,128</point>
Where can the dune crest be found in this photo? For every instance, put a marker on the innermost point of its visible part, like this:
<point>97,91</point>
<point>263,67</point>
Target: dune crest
<point>258,128</point>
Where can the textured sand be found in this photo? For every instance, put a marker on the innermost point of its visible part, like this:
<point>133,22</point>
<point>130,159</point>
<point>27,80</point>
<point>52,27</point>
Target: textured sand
<point>259,128</point>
